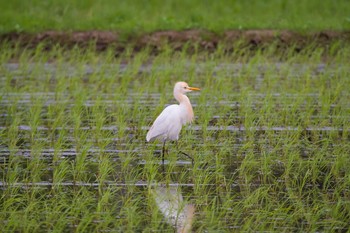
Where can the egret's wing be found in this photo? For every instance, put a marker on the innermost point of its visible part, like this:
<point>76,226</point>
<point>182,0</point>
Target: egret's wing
<point>167,122</point>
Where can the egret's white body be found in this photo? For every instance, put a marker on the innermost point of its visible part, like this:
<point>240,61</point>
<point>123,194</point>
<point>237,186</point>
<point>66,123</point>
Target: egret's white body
<point>168,124</point>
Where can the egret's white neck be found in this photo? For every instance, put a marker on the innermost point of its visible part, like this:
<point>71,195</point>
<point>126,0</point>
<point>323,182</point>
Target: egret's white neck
<point>186,104</point>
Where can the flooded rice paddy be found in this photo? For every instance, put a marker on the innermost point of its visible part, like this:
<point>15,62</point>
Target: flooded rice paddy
<point>270,143</point>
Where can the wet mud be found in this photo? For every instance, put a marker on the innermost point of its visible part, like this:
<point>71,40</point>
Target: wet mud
<point>177,40</point>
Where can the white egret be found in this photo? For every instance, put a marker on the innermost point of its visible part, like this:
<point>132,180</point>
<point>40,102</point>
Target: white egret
<point>168,124</point>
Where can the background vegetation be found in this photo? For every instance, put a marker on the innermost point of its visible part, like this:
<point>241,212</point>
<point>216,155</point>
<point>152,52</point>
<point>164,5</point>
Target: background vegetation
<point>139,16</point>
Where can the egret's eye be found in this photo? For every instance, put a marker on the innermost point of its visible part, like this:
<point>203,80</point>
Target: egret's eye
<point>185,87</point>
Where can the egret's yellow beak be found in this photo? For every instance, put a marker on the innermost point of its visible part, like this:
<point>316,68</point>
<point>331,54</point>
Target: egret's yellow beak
<point>194,89</point>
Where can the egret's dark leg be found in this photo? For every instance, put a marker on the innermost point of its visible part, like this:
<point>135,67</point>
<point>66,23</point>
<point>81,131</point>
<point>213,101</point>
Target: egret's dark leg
<point>187,155</point>
<point>163,152</point>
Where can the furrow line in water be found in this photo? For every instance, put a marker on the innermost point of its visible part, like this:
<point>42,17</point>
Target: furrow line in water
<point>68,68</point>
<point>27,96</point>
<point>50,152</point>
<point>111,183</point>
<point>109,105</point>
<point>195,128</point>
